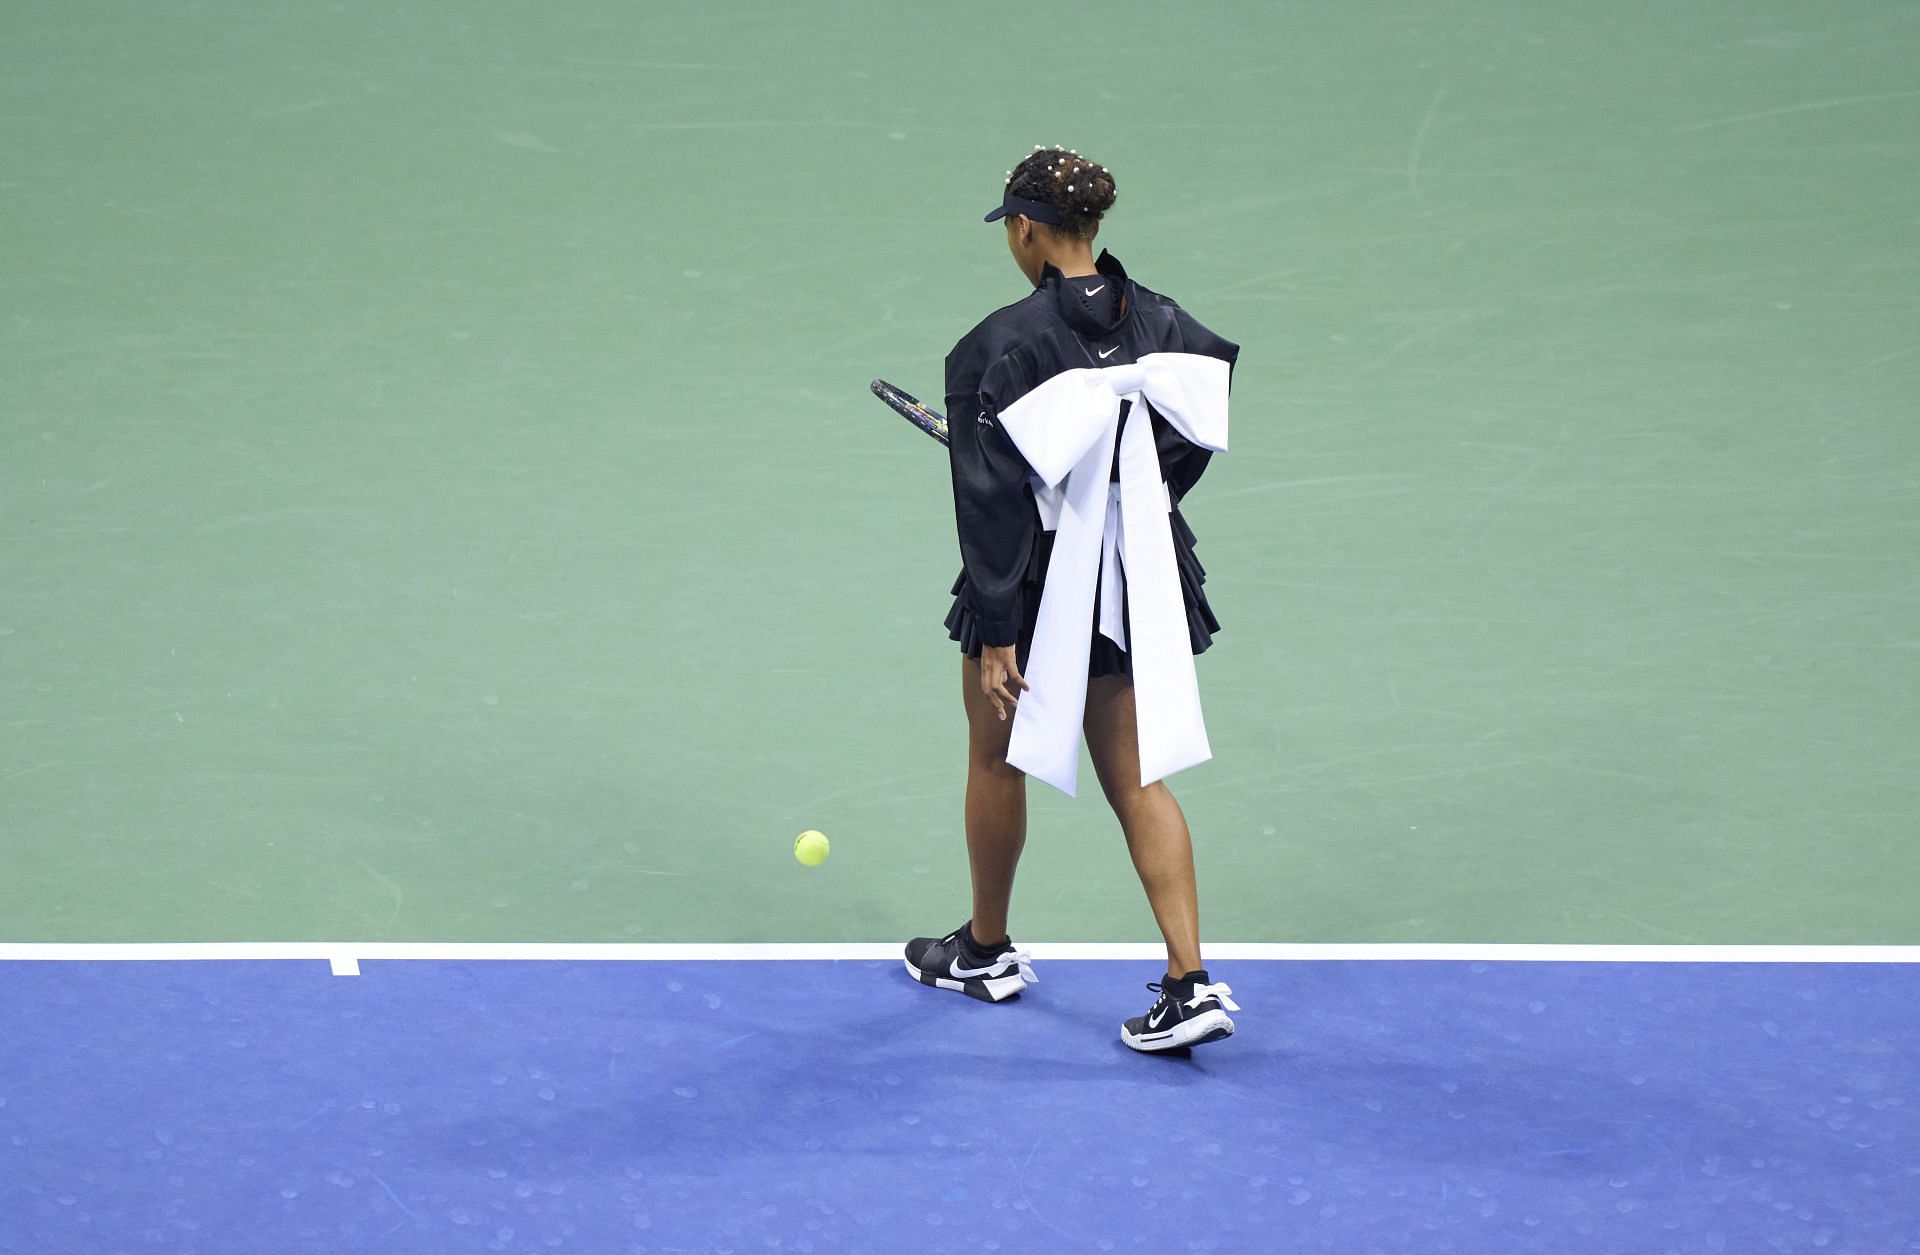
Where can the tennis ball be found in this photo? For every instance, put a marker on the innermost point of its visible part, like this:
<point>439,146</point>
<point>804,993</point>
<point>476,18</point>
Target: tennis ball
<point>810,847</point>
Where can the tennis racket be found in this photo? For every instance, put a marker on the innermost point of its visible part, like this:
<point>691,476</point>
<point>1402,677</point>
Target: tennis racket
<point>928,420</point>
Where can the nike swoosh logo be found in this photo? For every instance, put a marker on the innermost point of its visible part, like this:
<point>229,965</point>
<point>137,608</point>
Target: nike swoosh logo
<point>1158,1016</point>
<point>1110,352</point>
<point>966,972</point>
<point>1096,291</point>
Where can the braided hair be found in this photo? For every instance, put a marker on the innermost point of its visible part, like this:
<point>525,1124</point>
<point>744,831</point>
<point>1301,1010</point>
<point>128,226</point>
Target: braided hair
<point>1082,190</point>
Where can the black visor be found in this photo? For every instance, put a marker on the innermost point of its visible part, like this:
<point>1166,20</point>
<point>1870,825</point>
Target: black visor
<point>1039,211</point>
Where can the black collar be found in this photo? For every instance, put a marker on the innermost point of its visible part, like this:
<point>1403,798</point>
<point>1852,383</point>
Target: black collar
<point>1053,280</point>
<point>1106,263</point>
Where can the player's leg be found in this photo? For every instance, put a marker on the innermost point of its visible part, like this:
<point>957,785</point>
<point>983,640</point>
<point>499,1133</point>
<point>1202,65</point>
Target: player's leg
<point>1190,1009</point>
<point>979,958</point>
<point>1156,830</point>
<point>996,809</point>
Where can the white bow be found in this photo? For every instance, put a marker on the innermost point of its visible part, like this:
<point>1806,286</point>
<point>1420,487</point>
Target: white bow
<point>1066,429</point>
<point>1203,992</point>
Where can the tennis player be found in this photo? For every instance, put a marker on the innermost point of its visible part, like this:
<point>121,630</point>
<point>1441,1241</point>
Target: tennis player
<point>1079,418</point>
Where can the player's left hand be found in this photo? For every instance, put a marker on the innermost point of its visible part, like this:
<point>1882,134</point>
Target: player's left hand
<point>1000,678</point>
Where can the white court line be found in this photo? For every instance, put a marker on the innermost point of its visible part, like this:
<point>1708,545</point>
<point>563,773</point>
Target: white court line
<point>345,957</point>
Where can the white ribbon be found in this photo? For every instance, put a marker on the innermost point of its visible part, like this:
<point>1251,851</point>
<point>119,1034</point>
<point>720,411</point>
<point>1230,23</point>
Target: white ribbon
<point>1203,992</point>
<point>1066,429</point>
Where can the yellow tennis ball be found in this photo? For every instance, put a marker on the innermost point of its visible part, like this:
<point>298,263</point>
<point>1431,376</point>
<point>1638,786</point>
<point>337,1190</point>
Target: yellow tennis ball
<point>810,847</point>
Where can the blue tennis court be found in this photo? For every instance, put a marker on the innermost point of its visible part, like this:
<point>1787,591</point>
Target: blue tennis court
<point>838,1106</point>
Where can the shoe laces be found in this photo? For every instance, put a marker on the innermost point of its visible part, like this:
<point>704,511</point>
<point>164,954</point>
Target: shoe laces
<point>1019,958</point>
<point>1200,994</point>
<point>1203,992</point>
<point>1022,960</point>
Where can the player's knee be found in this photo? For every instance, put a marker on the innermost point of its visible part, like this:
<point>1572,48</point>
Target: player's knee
<point>1119,793</point>
<point>990,762</point>
<point>1128,797</point>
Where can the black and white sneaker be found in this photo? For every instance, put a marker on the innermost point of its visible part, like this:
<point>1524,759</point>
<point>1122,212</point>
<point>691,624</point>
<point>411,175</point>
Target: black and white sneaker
<point>1189,1012</point>
<point>991,974</point>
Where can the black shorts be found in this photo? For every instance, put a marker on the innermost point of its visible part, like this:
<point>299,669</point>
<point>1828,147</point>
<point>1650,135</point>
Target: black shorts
<point>1105,658</point>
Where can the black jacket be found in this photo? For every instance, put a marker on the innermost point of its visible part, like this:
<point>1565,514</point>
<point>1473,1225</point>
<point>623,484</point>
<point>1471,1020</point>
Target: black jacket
<point>1010,353</point>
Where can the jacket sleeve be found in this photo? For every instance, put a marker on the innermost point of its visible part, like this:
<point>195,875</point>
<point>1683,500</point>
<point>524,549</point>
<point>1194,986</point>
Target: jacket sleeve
<point>1182,461</point>
<point>992,504</point>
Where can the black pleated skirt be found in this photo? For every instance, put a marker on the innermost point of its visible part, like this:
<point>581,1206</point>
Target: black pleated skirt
<point>1105,658</point>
